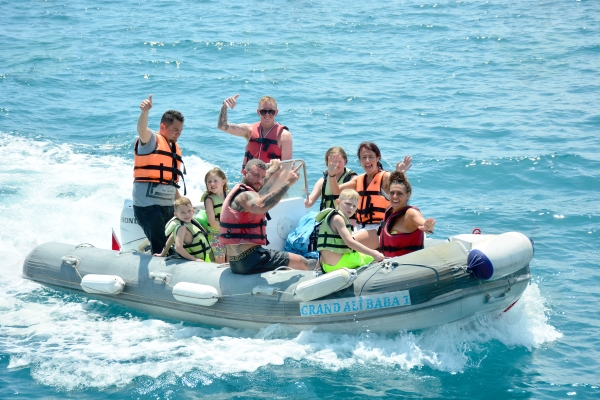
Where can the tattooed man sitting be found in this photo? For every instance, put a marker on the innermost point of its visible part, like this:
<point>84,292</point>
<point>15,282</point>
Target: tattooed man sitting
<point>243,218</point>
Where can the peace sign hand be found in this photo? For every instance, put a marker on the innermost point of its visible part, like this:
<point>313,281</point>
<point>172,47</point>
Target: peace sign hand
<point>293,175</point>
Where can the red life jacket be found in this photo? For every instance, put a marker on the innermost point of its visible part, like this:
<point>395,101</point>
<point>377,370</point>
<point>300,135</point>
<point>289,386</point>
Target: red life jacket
<point>400,243</point>
<point>371,204</point>
<point>162,166</point>
<point>239,227</point>
<point>265,148</point>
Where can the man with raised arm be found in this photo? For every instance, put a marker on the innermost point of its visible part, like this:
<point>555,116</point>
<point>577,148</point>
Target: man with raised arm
<point>156,172</point>
<point>267,139</point>
<point>243,218</point>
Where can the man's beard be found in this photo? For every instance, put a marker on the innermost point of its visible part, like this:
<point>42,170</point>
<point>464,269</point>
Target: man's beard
<point>255,186</point>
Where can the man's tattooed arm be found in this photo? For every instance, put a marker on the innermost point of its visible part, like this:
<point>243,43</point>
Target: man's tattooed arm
<point>271,199</point>
<point>242,200</point>
<point>223,125</point>
<point>253,203</point>
<point>234,129</point>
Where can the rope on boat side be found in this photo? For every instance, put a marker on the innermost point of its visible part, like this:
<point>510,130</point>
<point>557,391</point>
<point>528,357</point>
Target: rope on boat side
<point>277,291</point>
<point>252,294</point>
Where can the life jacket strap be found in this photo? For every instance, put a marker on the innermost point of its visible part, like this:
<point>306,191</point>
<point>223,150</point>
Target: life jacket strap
<point>393,248</point>
<point>264,141</point>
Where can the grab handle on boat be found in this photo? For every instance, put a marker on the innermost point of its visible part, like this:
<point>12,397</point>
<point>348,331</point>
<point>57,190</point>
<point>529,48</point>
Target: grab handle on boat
<point>281,269</point>
<point>127,251</point>
<point>85,245</point>
<point>297,160</point>
<point>160,277</point>
<point>492,299</point>
<point>388,266</point>
<point>265,290</point>
<point>70,260</point>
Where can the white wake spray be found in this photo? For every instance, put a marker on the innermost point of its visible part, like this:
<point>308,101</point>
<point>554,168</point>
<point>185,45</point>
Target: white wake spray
<point>65,194</point>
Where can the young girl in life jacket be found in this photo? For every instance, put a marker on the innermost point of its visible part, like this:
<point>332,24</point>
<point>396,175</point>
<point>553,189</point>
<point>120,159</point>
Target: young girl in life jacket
<point>216,191</point>
<point>322,189</point>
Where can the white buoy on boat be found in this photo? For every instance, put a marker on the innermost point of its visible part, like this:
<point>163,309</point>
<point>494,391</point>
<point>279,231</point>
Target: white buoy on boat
<point>500,256</point>
<point>325,284</point>
<point>195,293</point>
<point>102,284</point>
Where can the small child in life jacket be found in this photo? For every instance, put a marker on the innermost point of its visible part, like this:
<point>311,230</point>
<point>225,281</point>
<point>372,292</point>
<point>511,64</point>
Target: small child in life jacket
<point>190,237</point>
<point>213,198</point>
<point>322,189</point>
<point>337,247</point>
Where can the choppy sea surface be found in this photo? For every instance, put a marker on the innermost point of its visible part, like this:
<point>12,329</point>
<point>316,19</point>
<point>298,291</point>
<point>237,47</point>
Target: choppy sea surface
<point>497,102</point>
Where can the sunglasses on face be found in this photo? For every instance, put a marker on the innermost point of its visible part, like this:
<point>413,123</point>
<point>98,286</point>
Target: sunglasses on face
<point>265,112</point>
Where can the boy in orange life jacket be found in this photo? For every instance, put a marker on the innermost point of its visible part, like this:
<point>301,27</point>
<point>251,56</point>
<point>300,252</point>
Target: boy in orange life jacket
<point>267,139</point>
<point>337,247</point>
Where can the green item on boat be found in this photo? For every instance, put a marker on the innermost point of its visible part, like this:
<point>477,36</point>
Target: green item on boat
<point>202,219</point>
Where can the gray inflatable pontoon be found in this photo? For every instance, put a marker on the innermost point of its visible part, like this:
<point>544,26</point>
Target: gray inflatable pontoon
<point>433,286</point>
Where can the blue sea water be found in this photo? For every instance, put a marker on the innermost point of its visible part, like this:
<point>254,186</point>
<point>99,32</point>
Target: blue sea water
<point>496,101</point>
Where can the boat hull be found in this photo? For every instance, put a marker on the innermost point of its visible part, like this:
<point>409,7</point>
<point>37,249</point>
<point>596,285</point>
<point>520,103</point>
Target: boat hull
<point>419,290</point>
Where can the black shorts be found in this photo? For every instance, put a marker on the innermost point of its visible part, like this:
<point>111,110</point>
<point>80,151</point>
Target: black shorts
<point>259,259</point>
<point>153,219</point>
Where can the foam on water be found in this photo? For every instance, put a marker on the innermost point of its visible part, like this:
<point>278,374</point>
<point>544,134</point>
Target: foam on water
<point>71,342</point>
<point>63,193</point>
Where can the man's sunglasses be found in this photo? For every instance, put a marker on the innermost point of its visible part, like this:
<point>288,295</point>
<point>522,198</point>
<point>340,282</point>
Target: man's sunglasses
<point>265,112</point>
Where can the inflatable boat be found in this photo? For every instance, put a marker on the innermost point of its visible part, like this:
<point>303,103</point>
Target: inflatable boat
<point>446,281</point>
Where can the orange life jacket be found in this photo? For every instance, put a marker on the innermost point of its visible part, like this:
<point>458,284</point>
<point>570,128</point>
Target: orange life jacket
<point>371,204</point>
<point>237,227</point>
<point>398,244</point>
<point>162,166</point>
<point>265,148</point>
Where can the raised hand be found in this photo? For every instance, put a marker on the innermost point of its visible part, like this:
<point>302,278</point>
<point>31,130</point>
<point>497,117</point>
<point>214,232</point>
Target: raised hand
<point>335,164</point>
<point>404,165</point>
<point>231,101</point>
<point>146,104</point>
<point>274,166</point>
<point>293,175</point>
